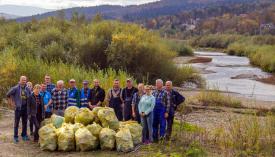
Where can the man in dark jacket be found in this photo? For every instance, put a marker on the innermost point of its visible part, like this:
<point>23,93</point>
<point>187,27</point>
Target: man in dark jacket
<point>18,97</point>
<point>97,95</point>
<point>127,97</point>
<point>175,99</point>
<point>36,110</point>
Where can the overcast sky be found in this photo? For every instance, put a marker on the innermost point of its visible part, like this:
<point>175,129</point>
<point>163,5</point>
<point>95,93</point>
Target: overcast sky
<point>58,4</point>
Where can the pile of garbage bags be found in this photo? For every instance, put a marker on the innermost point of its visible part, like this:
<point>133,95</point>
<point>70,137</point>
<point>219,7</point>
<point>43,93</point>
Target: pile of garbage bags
<point>85,130</point>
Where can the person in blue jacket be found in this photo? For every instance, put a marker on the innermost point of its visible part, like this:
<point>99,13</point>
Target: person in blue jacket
<point>84,95</point>
<point>161,111</point>
<point>73,94</point>
<point>46,97</point>
<point>176,99</point>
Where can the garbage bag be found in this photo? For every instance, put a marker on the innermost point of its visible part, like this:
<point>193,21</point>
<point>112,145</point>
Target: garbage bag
<point>136,131</point>
<point>48,137</point>
<point>107,139</point>
<point>84,116</point>
<point>85,141</point>
<point>77,126</point>
<point>124,141</point>
<point>108,118</point>
<point>57,120</point>
<point>95,112</point>
<point>94,129</point>
<point>46,122</point>
<point>70,114</point>
<point>66,138</point>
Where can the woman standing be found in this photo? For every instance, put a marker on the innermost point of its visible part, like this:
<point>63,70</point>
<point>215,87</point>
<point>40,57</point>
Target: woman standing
<point>146,106</point>
<point>135,102</point>
<point>36,110</point>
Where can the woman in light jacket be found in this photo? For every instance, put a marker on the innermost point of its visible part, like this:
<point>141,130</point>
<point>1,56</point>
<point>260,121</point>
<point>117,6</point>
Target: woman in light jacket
<point>146,106</point>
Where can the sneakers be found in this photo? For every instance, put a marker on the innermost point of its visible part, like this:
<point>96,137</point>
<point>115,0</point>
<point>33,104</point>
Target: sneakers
<point>15,140</point>
<point>25,138</point>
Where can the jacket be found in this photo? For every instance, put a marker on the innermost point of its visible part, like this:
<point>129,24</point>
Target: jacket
<point>15,94</point>
<point>32,106</point>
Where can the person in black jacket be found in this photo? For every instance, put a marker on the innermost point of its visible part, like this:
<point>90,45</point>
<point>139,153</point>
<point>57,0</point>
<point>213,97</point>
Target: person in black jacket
<point>97,95</point>
<point>175,100</point>
<point>36,110</point>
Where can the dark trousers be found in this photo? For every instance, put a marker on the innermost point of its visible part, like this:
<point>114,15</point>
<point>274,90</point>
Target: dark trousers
<point>31,125</point>
<point>127,111</point>
<point>170,121</point>
<point>36,126</point>
<point>20,114</point>
<point>48,114</point>
<point>118,111</point>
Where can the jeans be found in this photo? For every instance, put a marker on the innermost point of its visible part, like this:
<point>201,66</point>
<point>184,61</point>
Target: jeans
<point>159,123</point>
<point>20,114</point>
<point>147,124</point>
<point>170,121</point>
<point>36,126</point>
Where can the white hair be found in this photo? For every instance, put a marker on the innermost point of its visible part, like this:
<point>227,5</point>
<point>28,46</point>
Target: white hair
<point>60,82</point>
<point>169,82</point>
<point>159,80</point>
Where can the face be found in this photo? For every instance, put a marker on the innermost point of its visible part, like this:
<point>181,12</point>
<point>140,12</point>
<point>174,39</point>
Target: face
<point>36,90</point>
<point>140,87</point>
<point>47,79</point>
<point>59,85</point>
<point>168,86</point>
<point>72,84</point>
<point>116,84</point>
<point>129,84</point>
<point>23,80</point>
<point>29,85</point>
<point>43,87</point>
<point>159,85</point>
<point>85,85</point>
<point>96,83</point>
<point>147,90</point>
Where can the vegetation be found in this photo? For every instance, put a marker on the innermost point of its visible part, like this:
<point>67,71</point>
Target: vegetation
<point>98,45</point>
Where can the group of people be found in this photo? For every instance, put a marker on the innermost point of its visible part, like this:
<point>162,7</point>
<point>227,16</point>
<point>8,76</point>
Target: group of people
<point>153,107</point>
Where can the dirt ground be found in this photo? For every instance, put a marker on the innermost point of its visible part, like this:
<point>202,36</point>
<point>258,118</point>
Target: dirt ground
<point>206,118</point>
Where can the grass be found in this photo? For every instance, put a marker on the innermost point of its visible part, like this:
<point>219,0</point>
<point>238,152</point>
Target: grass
<point>216,98</point>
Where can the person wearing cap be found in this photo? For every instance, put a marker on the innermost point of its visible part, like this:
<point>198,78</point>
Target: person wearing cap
<point>114,99</point>
<point>127,97</point>
<point>84,95</point>
<point>97,95</point>
<point>73,94</point>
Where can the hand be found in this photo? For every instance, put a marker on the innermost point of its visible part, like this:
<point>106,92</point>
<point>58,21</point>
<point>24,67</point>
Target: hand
<point>166,115</point>
<point>91,107</point>
<point>134,115</point>
<point>143,114</point>
<point>45,107</point>
<point>122,105</point>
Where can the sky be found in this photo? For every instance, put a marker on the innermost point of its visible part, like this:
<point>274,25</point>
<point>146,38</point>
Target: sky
<point>60,4</point>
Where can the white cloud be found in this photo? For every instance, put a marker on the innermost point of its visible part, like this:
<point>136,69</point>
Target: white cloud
<point>58,4</point>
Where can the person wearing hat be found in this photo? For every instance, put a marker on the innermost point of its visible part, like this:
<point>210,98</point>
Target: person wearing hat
<point>97,95</point>
<point>73,94</point>
<point>84,95</point>
<point>127,97</point>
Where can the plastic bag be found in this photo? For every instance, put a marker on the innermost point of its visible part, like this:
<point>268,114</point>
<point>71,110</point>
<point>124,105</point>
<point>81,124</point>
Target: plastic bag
<point>107,139</point>
<point>108,118</point>
<point>124,141</point>
<point>84,116</point>
<point>94,129</point>
<point>85,141</point>
<point>77,126</point>
<point>57,121</point>
<point>70,114</point>
<point>66,138</point>
<point>46,122</point>
<point>48,137</point>
<point>136,131</point>
<point>95,112</point>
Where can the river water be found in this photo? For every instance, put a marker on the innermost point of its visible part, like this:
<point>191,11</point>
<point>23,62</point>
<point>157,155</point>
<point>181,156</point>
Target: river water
<point>218,75</point>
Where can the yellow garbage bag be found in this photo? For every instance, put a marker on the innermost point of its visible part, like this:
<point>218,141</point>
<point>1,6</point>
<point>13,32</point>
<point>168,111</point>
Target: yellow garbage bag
<point>48,137</point>
<point>57,120</point>
<point>136,131</point>
<point>84,116</point>
<point>107,139</point>
<point>108,118</point>
<point>94,129</point>
<point>46,122</point>
<point>66,138</point>
<point>85,141</point>
<point>124,141</point>
<point>70,114</point>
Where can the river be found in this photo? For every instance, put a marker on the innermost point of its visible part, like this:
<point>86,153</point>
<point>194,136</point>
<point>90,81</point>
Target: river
<point>219,72</point>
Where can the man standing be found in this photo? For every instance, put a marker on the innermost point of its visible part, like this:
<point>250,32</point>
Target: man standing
<point>48,83</point>
<point>114,99</point>
<point>161,111</point>
<point>84,95</point>
<point>97,95</point>
<point>46,97</point>
<point>19,98</point>
<point>127,97</point>
<point>176,99</point>
<point>73,94</point>
<point>59,98</point>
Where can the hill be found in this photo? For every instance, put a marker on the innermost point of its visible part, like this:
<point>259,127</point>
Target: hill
<point>137,12</point>
<point>22,10</point>
<point>8,16</point>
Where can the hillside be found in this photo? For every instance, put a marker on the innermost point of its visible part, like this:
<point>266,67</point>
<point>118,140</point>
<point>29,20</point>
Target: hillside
<point>8,16</point>
<point>22,10</point>
<point>137,12</point>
